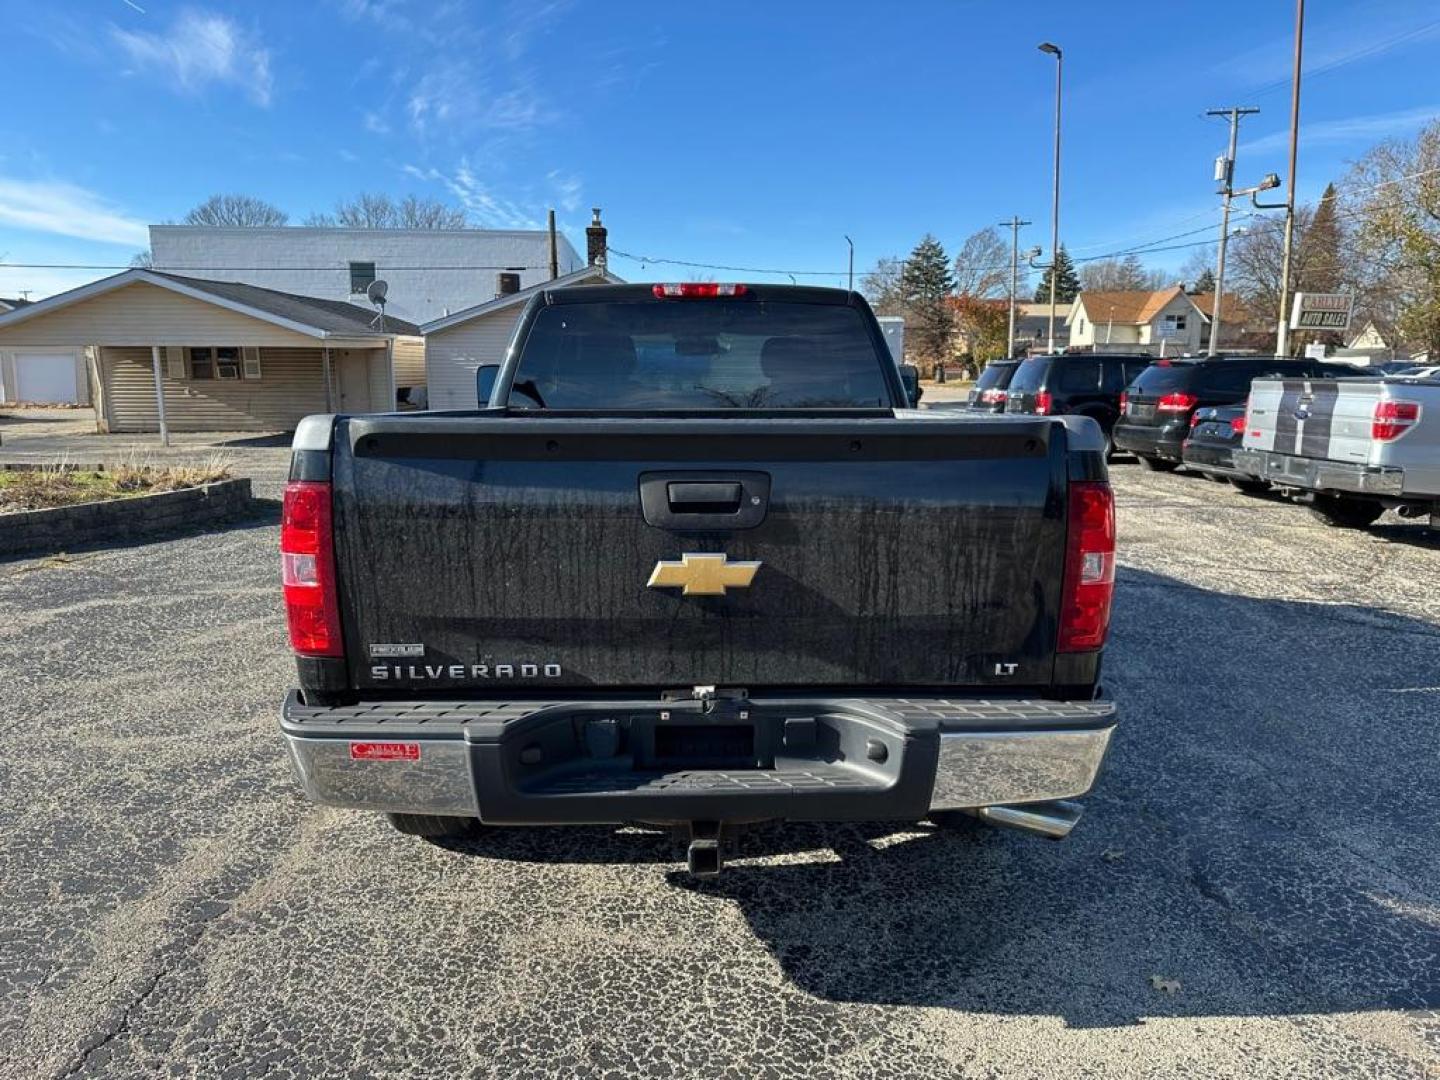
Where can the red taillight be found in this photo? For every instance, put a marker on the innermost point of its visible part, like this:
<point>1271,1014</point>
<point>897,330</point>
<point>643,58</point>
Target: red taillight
<point>307,570</point>
<point>992,397</point>
<point>1089,567</point>
<point>1237,425</point>
<point>1177,401</point>
<point>1194,421</point>
<point>1043,402</point>
<point>698,288</point>
<point>1393,418</point>
<point>1124,402</point>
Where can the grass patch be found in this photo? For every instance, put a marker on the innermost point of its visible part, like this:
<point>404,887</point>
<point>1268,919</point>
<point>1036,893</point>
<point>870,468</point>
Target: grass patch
<point>43,489</point>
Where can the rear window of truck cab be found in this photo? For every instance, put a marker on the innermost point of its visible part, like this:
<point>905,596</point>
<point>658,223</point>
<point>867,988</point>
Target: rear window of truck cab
<point>700,354</point>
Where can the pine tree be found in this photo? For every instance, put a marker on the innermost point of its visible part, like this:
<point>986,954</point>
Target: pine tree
<point>1067,283</point>
<point>926,284</point>
<point>1319,262</point>
<point>1205,283</point>
<point>1319,269</point>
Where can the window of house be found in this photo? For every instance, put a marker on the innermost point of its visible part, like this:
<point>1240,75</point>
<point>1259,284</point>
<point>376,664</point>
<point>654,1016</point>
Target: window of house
<point>214,362</point>
<point>1080,325</point>
<point>227,362</point>
<point>361,275</point>
<point>1174,322</point>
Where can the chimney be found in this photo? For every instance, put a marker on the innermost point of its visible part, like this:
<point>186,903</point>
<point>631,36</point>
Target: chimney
<point>595,240</point>
<point>507,282</point>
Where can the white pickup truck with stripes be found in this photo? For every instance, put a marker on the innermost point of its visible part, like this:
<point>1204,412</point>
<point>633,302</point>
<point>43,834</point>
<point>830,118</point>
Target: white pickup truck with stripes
<point>1352,447</point>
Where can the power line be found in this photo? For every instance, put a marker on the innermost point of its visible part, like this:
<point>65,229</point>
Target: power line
<point>1348,58</point>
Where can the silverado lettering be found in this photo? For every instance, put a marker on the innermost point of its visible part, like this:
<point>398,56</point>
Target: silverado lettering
<point>418,672</point>
<point>768,587</point>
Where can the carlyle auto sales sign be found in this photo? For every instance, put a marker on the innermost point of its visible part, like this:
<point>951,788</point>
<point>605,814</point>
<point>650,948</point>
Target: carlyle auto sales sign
<point>1321,311</point>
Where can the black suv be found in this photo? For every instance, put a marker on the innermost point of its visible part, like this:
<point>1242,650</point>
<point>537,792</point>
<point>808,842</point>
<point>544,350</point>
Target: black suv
<point>1156,409</point>
<point>1081,384</point>
<point>989,392</point>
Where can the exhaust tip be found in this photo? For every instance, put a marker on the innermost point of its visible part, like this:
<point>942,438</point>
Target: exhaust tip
<point>1049,819</point>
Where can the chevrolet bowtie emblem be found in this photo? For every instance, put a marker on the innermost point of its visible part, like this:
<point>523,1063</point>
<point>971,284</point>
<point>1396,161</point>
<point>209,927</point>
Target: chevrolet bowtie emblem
<point>702,575</point>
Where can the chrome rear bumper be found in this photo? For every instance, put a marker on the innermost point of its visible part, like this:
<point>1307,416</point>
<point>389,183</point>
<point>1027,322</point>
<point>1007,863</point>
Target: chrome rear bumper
<point>860,760</point>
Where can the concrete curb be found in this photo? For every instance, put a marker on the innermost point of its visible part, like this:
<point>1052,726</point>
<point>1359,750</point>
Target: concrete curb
<point>120,520</point>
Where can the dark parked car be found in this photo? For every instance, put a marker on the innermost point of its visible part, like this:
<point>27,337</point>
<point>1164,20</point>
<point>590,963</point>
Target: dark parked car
<point>1080,384</point>
<point>989,392</point>
<point>1216,433</point>
<point>1156,408</point>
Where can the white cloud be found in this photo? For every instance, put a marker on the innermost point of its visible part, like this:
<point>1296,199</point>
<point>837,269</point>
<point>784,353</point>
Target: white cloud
<point>490,210</point>
<point>201,48</point>
<point>453,98</point>
<point>66,210</point>
<point>567,189</point>
<point>376,123</point>
<point>1350,129</point>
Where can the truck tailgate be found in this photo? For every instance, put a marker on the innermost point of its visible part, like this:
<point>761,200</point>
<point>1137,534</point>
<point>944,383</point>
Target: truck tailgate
<point>478,552</point>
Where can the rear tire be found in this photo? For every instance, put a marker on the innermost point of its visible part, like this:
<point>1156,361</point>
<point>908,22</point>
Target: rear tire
<point>433,825</point>
<point>1155,464</point>
<point>1345,512</point>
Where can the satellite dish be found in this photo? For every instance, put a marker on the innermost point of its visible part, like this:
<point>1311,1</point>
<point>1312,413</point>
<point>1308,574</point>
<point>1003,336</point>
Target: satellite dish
<point>376,291</point>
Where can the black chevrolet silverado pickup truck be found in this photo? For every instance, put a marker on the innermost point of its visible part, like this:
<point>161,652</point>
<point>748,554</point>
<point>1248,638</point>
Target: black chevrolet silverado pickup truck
<point>697,561</point>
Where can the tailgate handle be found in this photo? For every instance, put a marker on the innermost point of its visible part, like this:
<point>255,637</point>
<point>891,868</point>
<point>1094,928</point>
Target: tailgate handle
<point>704,500</point>
<point>704,497</point>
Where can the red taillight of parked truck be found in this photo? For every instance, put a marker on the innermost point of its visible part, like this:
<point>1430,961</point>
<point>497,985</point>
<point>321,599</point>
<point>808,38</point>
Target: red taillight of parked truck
<point>1393,419</point>
<point>307,563</point>
<point>1043,403</point>
<point>1089,567</point>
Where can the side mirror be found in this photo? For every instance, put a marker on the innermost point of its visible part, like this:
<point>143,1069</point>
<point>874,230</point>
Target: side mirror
<point>485,376</point>
<point>910,376</point>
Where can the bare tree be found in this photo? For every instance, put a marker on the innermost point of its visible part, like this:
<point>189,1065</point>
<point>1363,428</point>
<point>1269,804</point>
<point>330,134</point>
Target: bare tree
<point>1254,260</point>
<point>1198,269</point>
<point>1120,275</point>
<point>1395,247</point>
<point>881,286</point>
<point>376,210</point>
<point>242,211</point>
<point>982,268</point>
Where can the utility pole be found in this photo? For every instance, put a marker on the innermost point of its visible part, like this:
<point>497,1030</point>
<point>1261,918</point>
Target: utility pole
<point>1282,337</point>
<point>852,263</point>
<point>1054,50</point>
<point>1014,224</point>
<point>554,247</point>
<point>1225,173</point>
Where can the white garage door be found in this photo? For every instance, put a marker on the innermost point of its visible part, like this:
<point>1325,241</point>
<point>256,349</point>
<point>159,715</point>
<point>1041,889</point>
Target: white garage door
<point>45,377</point>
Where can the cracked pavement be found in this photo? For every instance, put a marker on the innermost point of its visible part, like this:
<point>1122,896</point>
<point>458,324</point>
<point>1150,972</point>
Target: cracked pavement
<point>1254,890</point>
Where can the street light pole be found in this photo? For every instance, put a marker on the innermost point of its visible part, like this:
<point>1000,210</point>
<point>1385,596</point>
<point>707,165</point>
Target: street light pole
<point>1282,337</point>
<point>1014,224</point>
<point>1054,50</point>
<point>852,262</point>
<point>1227,189</point>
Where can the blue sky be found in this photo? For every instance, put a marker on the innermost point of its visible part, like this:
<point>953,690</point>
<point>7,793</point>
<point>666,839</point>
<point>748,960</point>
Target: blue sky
<point>734,133</point>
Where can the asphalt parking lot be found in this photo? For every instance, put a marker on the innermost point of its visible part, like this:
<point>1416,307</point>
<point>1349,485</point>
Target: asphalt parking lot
<point>1254,891</point>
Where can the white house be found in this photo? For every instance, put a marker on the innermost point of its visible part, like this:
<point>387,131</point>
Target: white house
<point>458,344</point>
<point>430,272</point>
<point>1138,321</point>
